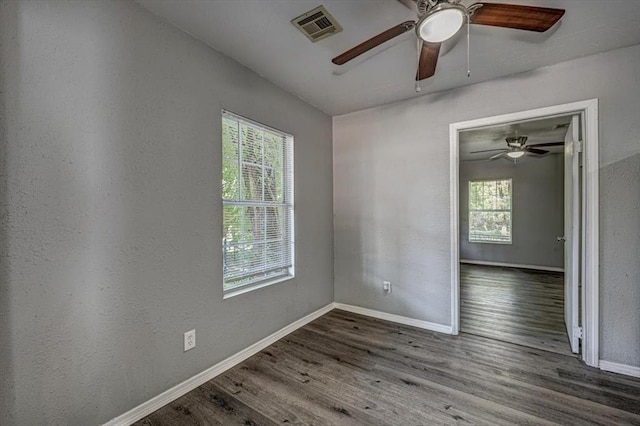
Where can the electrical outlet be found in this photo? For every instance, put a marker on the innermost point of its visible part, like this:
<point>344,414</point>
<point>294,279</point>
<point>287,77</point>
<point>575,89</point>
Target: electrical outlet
<point>189,340</point>
<point>386,286</point>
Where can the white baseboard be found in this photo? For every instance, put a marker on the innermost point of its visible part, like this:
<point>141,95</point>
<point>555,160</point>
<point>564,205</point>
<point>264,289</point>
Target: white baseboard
<point>148,407</point>
<point>180,389</point>
<point>395,318</point>
<point>512,265</point>
<point>614,367</point>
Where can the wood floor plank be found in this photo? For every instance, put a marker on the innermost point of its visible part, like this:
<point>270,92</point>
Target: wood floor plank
<point>463,375</point>
<point>407,396</point>
<point>520,306</point>
<point>348,369</point>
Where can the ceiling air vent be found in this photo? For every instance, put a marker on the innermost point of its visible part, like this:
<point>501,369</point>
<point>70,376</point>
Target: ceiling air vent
<point>317,24</point>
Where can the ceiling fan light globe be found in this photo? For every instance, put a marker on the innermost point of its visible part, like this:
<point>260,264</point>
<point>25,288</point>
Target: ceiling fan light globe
<point>441,23</point>
<point>515,154</point>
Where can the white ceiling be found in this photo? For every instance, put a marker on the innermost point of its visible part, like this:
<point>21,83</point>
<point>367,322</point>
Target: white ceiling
<point>259,34</point>
<point>537,131</point>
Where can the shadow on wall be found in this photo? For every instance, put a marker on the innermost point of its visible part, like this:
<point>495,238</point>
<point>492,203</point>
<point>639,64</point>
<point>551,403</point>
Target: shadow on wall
<point>9,74</point>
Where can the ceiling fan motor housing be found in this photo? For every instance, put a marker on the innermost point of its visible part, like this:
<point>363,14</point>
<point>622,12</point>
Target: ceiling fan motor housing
<point>425,6</point>
<point>516,141</point>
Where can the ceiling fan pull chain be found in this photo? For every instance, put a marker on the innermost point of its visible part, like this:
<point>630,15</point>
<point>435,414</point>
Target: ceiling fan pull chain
<point>419,44</point>
<point>468,47</point>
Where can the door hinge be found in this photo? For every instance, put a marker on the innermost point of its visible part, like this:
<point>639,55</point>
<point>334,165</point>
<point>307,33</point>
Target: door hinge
<point>578,333</point>
<point>579,146</point>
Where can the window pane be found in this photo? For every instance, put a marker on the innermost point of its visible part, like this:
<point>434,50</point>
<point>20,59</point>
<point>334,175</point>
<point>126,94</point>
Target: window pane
<point>254,258</point>
<point>273,152</point>
<point>274,161</point>
<point>232,224</point>
<point>275,254</point>
<point>488,195</point>
<point>474,195</point>
<point>274,223</point>
<point>251,182</point>
<point>503,195</point>
<point>229,159</point>
<point>490,226</point>
<point>229,140</point>
<point>270,185</point>
<point>244,224</point>
<point>255,230</point>
<point>251,145</point>
<point>230,180</point>
<point>490,211</point>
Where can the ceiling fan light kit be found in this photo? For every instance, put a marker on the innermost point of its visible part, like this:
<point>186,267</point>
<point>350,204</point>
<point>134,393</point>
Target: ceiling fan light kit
<point>515,154</point>
<point>441,22</point>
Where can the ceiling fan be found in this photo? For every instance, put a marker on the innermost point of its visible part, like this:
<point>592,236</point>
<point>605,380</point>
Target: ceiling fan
<point>439,20</point>
<point>517,147</point>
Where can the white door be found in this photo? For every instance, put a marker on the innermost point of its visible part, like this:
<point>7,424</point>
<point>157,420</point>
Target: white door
<point>572,231</point>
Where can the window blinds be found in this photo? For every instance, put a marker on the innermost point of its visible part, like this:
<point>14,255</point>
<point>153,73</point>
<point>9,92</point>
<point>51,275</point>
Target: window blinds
<point>490,211</point>
<point>257,197</point>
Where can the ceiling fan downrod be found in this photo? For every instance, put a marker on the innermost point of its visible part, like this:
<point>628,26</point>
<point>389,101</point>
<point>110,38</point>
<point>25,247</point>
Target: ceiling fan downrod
<point>468,47</point>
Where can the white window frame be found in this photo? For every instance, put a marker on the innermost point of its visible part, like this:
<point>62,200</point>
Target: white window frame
<point>510,211</point>
<point>287,203</point>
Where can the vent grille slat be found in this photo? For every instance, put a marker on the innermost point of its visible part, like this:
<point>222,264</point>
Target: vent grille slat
<point>323,23</point>
<point>317,24</point>
<point>310,18</point>
<point>311,28</point>
<point>320,34</point>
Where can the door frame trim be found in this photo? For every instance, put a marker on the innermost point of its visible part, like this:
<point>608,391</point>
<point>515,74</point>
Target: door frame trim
<point>588,110</point>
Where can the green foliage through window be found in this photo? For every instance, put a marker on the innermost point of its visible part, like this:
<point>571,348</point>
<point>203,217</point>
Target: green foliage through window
<point>490,211</point>
<point>257,195</point>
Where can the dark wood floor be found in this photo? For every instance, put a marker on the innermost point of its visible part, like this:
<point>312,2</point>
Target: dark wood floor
<point>347,369</point>
<point>521,306</point>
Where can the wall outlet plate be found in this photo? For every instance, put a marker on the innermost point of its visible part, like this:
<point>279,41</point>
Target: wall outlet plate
<point>386,286</point>
<point>189,340</point>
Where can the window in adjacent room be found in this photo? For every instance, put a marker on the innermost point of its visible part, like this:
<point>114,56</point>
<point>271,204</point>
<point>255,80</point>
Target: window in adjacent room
<point>490,211</point>
<point>257,198</point>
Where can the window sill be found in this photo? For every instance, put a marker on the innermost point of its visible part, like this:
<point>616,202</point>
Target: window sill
<point>492,242</point>
<point>245,289</point>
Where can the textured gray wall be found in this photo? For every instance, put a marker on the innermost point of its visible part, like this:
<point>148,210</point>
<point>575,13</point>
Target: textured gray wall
<point>537,211</point>
<point>620,254</point>
<point>391,198</point>
<point>111,213</point>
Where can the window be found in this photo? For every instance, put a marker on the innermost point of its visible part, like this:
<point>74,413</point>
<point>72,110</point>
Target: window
<point>257,198</point>
<point>490,211</point>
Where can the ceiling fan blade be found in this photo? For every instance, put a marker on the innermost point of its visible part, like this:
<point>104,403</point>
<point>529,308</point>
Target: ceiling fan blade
<point>536,151</point>
<point>530,18</point>
<point>539,145</point>
<point>373,42</point>
<point>496,156</point>
<point>488,150</point>
<point>428,60</point>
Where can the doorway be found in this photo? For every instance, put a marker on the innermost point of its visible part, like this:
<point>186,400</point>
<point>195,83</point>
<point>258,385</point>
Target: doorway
<point>519,281</point>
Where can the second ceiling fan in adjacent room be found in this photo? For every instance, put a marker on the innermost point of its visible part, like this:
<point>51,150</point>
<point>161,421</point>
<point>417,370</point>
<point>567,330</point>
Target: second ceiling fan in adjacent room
<point>517,147</point>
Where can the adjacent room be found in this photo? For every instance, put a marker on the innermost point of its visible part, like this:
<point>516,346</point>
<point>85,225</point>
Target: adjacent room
<point>512,234</point>
<point>340,212</point>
